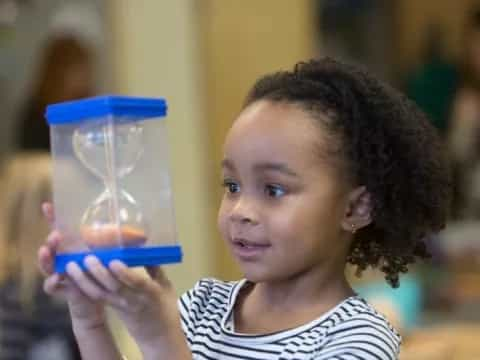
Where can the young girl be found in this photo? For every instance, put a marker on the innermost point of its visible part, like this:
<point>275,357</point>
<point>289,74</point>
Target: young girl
<point>324,166</point>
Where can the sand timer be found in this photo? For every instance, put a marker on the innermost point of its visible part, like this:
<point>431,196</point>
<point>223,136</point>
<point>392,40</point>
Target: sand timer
<point>114,218</point>
<point>111,182</point>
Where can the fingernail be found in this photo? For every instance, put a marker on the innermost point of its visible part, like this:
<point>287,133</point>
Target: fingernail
<point>116,264</point>
<point>72,266</point>
<point>91,260</point>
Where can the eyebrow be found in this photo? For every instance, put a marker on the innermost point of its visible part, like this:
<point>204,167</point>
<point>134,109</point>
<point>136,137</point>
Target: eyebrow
<point>227,164</point>
<point>278,167</point>
<point>266,166</point>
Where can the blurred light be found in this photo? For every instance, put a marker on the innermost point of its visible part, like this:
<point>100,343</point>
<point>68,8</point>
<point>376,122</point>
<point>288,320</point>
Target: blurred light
<point>78,18</point>
<point>8,12</point>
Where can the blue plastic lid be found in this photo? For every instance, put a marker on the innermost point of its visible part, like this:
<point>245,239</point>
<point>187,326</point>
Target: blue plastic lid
<point>133,108</point>
<point>143,256</point>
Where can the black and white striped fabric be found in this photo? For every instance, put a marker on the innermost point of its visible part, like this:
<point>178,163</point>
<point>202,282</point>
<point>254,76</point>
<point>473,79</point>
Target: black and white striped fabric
<point>352,330</point>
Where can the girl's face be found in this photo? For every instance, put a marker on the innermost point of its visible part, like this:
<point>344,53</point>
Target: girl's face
<point>283,204</point>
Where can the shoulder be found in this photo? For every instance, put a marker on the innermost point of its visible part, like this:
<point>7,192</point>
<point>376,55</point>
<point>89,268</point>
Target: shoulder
<point>203,307</point>
<point>360,330</point>
<point>207,295</point>
<point>208,287</point>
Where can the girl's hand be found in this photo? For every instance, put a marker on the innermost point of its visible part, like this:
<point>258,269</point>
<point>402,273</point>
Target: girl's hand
<point>87,312</point>
<point>144,300</point>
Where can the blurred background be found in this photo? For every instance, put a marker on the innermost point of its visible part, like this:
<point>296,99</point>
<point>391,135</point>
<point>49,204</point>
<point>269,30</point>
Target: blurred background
<point>202,56</point>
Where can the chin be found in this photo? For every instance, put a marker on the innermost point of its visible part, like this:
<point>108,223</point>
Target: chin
<point>253,279</point>
<point>256,275</point>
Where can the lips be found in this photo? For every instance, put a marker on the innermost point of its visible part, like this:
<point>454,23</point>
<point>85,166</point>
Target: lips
<point>248,243</point>
<point>247,249</point>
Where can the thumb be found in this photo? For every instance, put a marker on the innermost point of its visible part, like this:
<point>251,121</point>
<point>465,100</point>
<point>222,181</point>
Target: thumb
<point>48,212</point>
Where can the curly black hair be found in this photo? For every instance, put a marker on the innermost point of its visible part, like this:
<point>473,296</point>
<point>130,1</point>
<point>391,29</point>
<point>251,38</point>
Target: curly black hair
<point>388,145</point>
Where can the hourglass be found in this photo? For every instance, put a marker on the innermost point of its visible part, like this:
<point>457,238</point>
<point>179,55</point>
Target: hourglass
<point>115,217</point>
<point>111,183</point>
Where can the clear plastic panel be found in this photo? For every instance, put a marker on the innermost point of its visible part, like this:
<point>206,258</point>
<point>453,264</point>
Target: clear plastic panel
<point>111,184</point>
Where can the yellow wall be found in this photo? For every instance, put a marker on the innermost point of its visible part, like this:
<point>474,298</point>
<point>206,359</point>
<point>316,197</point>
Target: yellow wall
<point>243,40</point>
<point>154,53</point>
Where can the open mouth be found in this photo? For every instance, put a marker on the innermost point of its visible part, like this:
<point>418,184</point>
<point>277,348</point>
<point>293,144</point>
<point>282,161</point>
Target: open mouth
<point>248,244</point>
<point>248,249</point>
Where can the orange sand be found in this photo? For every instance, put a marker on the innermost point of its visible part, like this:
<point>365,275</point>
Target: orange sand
<point>109,235</point>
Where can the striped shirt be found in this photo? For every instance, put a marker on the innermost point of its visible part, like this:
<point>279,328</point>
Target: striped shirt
<point>352,330</point>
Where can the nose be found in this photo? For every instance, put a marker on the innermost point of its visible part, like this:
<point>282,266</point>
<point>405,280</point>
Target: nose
<point>244,211</point>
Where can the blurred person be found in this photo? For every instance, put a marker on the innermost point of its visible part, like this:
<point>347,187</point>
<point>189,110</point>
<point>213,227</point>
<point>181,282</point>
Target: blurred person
<point>464,136</point>
<point>65,73</point>
<point>32,324</point>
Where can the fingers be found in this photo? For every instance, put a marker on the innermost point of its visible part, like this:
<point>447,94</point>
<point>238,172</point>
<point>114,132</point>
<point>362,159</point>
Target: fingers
<point>157,273</point>
<point>87,284</point>
<point>54,239</point>
<point>46,253</point>
<point>101,274</point>
<point>45,261</point>
<point>55,284</point>
<point>116,285</point>
<point>48,212</point>
<point>51,283</point>
<point>99,284</point>
<point>153,271</point>
<point>130,278</point>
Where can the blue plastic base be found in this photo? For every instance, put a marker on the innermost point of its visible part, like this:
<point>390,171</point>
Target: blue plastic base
<point>132,256</point>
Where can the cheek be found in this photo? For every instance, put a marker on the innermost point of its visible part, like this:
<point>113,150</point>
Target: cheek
<point>291,222</point>
<point>308,220</point>
<point>222,217</point>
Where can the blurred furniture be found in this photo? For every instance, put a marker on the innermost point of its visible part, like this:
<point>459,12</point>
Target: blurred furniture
<point>446,342</point>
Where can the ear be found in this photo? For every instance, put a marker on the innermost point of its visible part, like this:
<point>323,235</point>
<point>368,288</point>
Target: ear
<point>358,210</point>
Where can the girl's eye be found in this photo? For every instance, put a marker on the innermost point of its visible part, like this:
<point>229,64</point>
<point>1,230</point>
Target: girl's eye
<point>231,186</point>
<point>274,190</point>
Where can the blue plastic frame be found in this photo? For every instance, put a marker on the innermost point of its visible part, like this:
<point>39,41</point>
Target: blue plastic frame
<point>132,108</point>
<point>131,256</point>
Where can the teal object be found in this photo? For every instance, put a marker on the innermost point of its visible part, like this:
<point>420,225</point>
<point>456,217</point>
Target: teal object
<point>406,299</point>
<point>432,87</point>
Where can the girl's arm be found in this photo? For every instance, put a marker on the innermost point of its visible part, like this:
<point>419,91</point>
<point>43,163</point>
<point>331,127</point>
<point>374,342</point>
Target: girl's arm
<point>86,311</point>
<point>95,343</point>
<point>173,347</point>
<point>144,300</point>
<point>88,318</point>
<point>97,339</point>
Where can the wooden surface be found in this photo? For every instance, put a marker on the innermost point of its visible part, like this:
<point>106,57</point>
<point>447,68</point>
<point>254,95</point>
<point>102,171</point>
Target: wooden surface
<point>447,342</point>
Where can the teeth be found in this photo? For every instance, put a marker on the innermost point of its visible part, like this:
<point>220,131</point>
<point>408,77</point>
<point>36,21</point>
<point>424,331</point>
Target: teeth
<point>246,244</point>
<point>243,244</point>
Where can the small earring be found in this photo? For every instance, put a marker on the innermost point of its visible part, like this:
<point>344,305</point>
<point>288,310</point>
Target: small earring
<point>354,230</point>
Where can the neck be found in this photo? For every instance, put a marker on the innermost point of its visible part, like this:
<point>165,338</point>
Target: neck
<point>307,289</point>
